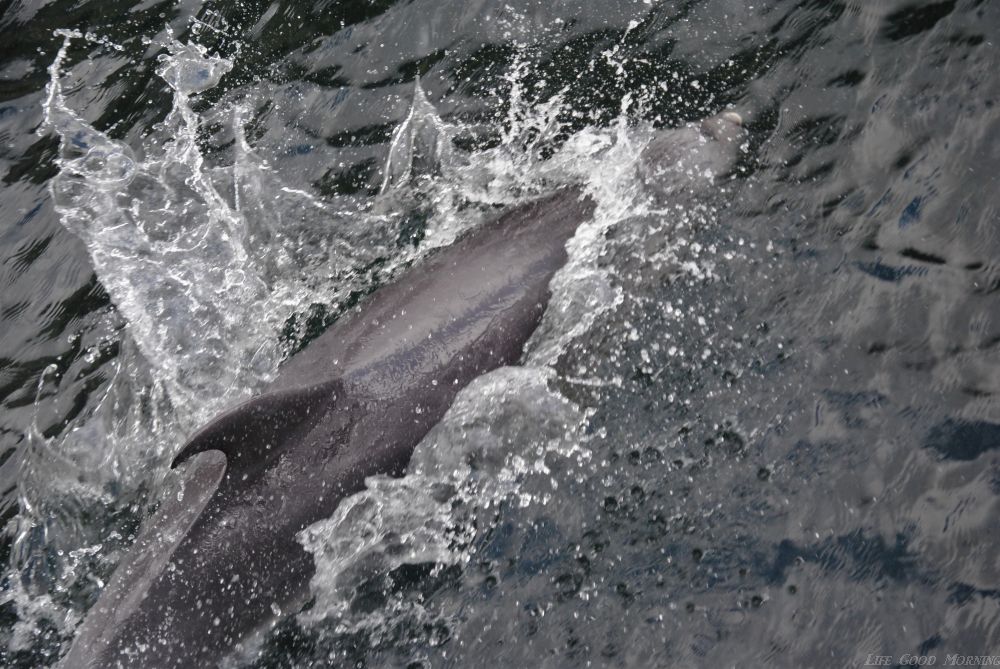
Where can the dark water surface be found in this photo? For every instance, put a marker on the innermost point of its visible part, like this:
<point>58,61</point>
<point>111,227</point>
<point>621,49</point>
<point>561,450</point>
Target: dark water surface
<point>792,431</point>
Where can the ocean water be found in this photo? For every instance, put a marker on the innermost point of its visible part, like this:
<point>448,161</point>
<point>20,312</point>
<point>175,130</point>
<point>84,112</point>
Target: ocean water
<point>757,427</point>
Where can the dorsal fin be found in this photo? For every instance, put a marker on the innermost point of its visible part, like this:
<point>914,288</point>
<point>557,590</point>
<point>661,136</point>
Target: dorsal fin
<point>256,429</point>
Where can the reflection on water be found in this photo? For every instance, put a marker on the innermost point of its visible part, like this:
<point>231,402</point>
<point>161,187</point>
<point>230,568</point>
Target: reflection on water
<point>787,447</point>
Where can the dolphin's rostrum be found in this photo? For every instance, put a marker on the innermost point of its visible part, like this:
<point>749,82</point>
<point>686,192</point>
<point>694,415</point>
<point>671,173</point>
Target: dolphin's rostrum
<point>220,559</point>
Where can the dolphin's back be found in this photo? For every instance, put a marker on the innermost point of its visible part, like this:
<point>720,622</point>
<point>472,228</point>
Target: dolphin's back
<point>354,403</point>
<point>443,305</point>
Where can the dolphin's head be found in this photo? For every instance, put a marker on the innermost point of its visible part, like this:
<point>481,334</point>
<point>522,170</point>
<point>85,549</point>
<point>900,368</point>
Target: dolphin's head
<point>726,127</point>
<point>689,159</point>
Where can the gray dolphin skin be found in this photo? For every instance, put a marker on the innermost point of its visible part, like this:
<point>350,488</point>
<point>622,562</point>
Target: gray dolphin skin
<point>219,560</point>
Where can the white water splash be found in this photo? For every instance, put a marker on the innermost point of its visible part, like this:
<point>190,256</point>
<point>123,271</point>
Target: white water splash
<point>169,246</point>
<point>504,426</point>
<point>420,145</point>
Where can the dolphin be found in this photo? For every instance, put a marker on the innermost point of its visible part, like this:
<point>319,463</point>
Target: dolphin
<point>219,560</point>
